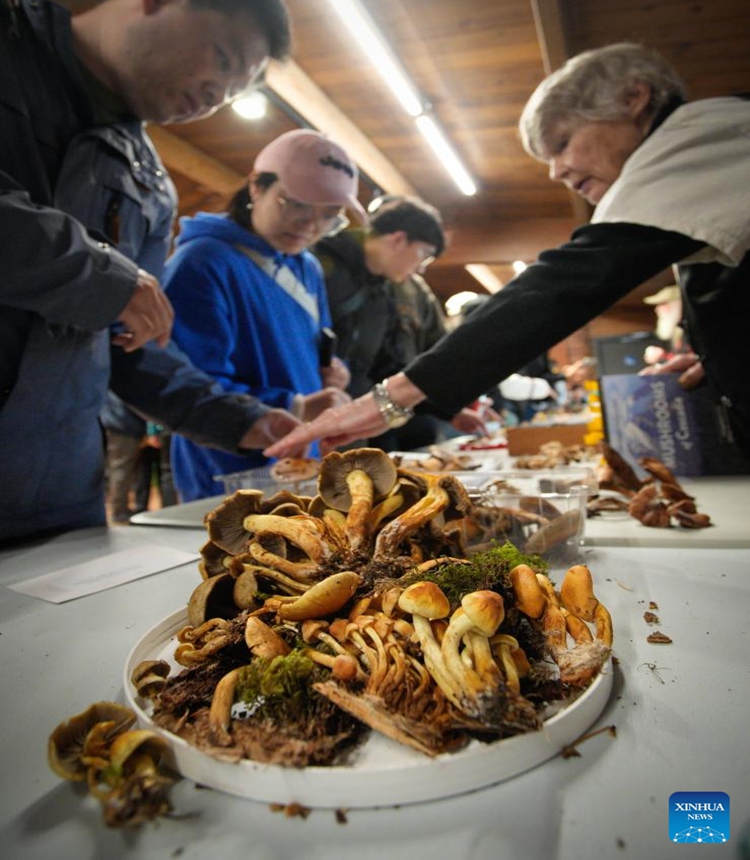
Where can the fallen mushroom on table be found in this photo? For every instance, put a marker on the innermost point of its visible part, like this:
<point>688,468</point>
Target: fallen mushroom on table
<point>658,501</point>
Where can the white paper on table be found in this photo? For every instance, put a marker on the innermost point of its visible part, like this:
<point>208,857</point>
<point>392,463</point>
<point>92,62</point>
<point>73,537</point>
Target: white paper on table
<point>104,572</point>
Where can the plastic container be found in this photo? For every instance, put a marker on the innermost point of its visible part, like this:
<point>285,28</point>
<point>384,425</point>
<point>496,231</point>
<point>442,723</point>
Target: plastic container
<point>261,479</point>
<point>542,512</point>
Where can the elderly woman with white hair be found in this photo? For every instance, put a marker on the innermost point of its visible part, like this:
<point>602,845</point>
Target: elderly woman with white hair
<point>669,180</point>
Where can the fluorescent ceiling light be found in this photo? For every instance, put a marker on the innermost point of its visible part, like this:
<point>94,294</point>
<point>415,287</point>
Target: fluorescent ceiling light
<point>486,277</point>
<point>435,137</point>
<point>519,266</point>
<point>376,48</point>
<point>251,106</point>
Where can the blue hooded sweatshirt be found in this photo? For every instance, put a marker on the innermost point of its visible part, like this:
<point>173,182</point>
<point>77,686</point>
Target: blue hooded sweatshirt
<point>242,327</point>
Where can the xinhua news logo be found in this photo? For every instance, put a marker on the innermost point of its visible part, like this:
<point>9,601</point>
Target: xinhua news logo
<point>699,817</point>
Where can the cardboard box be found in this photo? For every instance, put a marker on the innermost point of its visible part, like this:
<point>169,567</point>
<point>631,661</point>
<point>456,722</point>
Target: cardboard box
<point>652,416</point>
<point>526,440</point>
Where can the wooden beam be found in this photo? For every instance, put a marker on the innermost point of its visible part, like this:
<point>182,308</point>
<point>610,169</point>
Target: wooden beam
<point>293,86</point>
<point>549,21</point>
<point>550,33</point>
<point>505,241</point>
<point>179,156</point>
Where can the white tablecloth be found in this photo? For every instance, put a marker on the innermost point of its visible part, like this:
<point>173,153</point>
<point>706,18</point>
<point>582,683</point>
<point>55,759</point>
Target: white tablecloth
<point>681,713</point>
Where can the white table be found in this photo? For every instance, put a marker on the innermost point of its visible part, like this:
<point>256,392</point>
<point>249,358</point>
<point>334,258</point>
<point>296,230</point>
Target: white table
<point>681,713</point>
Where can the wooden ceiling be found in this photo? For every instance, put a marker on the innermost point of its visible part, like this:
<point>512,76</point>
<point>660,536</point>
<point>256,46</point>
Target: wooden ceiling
<point>476,62</point>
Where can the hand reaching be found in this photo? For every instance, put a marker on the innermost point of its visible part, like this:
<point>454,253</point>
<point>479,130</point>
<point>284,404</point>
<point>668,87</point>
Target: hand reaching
<point>474,423</point>
<point>147,316</point>
<point>687,364</point>
<point>275,424</point>
<point>356,420</point>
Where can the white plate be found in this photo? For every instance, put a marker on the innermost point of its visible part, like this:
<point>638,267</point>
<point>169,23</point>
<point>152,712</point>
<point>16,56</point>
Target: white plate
<point>384,772</point>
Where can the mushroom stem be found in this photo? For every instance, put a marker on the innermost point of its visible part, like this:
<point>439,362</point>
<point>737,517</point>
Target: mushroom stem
<point>302,531</point>
<point>394,533</point>
<point>220,713</point>
<point>300,571</point>
<point>358,528</point>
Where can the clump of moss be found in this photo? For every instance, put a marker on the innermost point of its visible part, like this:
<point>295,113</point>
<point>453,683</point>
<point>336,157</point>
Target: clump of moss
<point>279,688</point>
<point>510,556</point>
<point>485,570</point>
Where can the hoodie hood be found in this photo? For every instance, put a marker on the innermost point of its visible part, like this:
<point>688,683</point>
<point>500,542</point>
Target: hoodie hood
<point>207,225</point>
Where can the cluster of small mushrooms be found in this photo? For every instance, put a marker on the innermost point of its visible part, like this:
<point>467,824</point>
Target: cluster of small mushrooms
<point>320,619</point>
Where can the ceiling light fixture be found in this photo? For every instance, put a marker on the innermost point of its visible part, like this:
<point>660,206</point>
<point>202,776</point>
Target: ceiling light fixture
<point>486,277</point>
<point>364,30</point>
<point>519,266</point>
<point>444,151</point>
<point>376,48</point>
<point>251,106</point>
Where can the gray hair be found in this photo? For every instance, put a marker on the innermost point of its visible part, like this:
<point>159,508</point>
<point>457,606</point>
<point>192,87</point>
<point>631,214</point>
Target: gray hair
<point>593,86</point>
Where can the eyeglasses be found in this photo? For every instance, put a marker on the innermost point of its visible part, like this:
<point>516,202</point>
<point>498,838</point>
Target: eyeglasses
<point>332,222</point>
<point>426,256</point>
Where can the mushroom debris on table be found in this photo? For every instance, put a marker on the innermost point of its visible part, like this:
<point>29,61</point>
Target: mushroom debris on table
<point>657,501</point>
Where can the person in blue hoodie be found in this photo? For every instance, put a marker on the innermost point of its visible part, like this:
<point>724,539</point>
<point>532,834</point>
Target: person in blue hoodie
<point>249,297</point>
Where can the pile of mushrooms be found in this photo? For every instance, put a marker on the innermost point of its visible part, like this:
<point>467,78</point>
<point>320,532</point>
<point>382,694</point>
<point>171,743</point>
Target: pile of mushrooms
<point>400,658</point>
<point>348,578</point>
<point>367,513</point>
<point>369,588</point>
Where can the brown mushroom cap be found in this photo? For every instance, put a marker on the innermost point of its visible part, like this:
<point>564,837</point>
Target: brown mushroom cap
<point>212,561</point>
<point>213,598</point>
<point>426,599</point>
<point>263,641</point>
<point>125,745</point>
<point>485,610</point>
<point>67,740</point>
<point>224,523</point>
<point>332,484</point>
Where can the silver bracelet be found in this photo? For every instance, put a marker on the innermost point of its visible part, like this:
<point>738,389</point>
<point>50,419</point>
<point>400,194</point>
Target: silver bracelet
<point>392,413</point>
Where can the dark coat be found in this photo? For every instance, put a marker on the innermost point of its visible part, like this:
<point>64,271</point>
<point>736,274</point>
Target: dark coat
<point>62,283</point>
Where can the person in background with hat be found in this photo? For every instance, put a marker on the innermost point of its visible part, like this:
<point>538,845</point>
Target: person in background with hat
<point>677,357</point>
<point>669,181</point>
<point>249,298</point>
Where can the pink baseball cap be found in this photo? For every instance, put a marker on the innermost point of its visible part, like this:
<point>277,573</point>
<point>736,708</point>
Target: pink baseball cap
<point>313,169</point>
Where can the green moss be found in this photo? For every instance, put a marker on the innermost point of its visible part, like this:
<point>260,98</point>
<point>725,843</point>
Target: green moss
<point>277,687</point>
<point>486,570</point>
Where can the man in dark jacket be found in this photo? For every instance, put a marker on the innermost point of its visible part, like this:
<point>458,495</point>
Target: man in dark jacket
<point>79,176</point>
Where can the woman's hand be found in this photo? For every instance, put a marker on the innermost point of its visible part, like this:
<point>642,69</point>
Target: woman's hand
<point>273,425</point>
<point>356,420</point>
